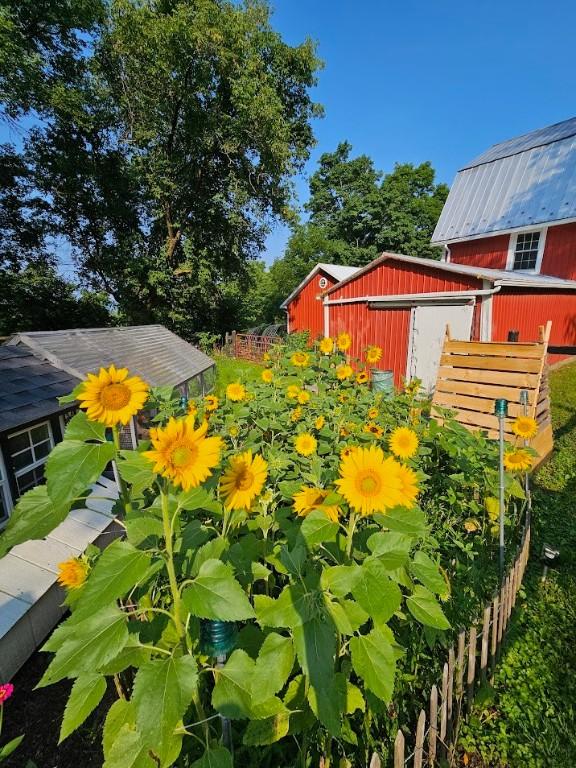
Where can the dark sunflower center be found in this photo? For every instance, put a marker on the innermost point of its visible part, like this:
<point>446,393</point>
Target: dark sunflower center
<point>244,479</point>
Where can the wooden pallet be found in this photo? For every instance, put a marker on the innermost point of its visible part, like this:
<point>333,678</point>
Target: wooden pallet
<point>472,374</point>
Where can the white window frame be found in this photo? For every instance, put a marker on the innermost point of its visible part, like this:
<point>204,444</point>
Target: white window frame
<point>38,462</point>
<point>540,255</point>
<point>5,492</point>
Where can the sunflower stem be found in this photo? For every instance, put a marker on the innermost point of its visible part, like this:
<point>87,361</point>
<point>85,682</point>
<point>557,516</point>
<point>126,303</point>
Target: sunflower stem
<point>350,539</point>
<point>166,522</point>
<point>126,501</point>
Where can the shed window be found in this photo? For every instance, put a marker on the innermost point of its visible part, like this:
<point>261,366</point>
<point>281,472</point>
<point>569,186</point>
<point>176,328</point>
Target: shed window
<point>28,452</point>
<point>3,496</point>
<point>526,251</point>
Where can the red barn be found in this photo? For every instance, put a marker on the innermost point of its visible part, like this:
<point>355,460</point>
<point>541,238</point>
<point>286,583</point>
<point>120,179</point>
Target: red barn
<point>304,305</point>
<point>508,229</point>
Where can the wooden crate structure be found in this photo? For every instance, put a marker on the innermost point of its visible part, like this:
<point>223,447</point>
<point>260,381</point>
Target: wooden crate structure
<point>473,374</point>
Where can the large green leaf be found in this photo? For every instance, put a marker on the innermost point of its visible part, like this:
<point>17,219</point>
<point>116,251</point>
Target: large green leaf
<point>129,750</point>
<point>81,428</point>
<point>317,528</point>
<point>273,665</point>
<point>232,694</point>
<point>411,522</point>
<point>143,530</point>
<point>218,757</point>
<point>163,690</point>
<point>73,466</point>
<point>34,517</point>
<point>198,498</point>
<point>391,548</point>
<point>120,567</point>
<point>136,470</point>
<point>293,606</point>
<point>267,731</point>
<point>425,608</point>
<point>340,579</point>
<point>215,594</point>
<point>7,749</point>
<point>90,644</point>
<point>427,571</point>
<point>315,644</point>
<point>374,660</point>
<point>85,696</point>
<point>376,593</point>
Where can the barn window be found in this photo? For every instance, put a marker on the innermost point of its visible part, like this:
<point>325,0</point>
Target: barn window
<point>29,450</point>
<point>526,249</point>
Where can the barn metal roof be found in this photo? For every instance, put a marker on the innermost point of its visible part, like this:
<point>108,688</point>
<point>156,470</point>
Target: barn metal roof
<point>527,181</point>
<point>150,351</point>
<point>496,276</point>
<point>336,271</point>
<point>29,387</point>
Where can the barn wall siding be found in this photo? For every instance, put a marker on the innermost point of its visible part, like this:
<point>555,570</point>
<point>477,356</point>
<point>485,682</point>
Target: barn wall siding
<point>560,252</point>
<point>305,311</point>
<point>525,311</point>
<point>490,252</point>
<point>393,277</point>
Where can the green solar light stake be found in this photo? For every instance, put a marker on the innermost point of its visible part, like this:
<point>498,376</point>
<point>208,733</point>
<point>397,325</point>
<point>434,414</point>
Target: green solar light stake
<point>217,638</point>
<point>501,411</point>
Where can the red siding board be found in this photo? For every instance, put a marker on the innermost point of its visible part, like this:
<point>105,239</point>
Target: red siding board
<point>560,252</point>
<point>490,252</point>
<point>305,311</point>
<point>525,311</point>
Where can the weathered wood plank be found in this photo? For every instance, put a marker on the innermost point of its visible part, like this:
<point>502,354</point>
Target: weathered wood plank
<point>375,761</point>
<point>485,640</point>
<point>482,363</point>
<point>480,404</point>
<point>514,379</point>
<point>474,389</point>
<point>450,692</point>
<point>419,745</point>
<point>470,677</point>
<point>433,732</point>
<point>444,704</point>
<point>399,750</point>
<point>494,637</point>
<point>460,661</point>
<point>495,348</point>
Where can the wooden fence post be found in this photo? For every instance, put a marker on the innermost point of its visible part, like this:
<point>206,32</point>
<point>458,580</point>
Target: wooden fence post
<point>375,761</point>
<point>494,646</point>
<point>433,734</point>
<point>450,694</point>
<point>444,709</point>
<point>419,747</point>
<point>485,641</point>
<point>399,750</point>
<point>471,668</point>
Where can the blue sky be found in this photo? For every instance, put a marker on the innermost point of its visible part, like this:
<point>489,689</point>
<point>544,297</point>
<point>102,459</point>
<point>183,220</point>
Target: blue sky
<point>437,80</point>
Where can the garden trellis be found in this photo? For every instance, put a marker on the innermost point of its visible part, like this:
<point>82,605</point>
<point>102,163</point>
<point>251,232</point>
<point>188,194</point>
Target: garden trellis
<point>472,374</point>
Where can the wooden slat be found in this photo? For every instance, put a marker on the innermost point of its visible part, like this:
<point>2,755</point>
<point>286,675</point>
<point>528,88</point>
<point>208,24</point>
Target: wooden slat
<point>471,666</point>
<point>493,391</point>
<point>450,692</point>
<point>399,750</point>
<point>375,761</point>
<point>491,363</point>
<point>501,609</point>
<point>522,380</point>
<point>444,704</point>
<point>433,733</point>
<point>419,746</point>
<point>485,641</point>
<point>494,348</point>
<point>480,404</point>
<point>460,661</point>
<point>494,638</point>
<point>478,420</point>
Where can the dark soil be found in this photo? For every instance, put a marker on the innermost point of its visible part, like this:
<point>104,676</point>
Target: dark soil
<point>38,714</point>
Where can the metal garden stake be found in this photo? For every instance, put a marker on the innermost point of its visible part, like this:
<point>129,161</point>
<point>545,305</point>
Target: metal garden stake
<point>501,411</point>
<point>217,638</point>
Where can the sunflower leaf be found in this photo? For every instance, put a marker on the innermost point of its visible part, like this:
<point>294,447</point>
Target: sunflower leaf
<point>81,428</point>
<point>34,517</point>
<point>317,528</point>
<point>374,661</point>
<point>86,694</point>
<point>425,608</point>
<point>376,592</point>
<point>232,694</point>
<point>427,571</point>
<point>73,466</point>
<point>216,594</point>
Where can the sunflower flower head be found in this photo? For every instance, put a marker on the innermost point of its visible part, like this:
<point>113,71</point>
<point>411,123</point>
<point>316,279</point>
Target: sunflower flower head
<point>233,430</point>
<point>267,376</point>
<point>112,396</point>
<point>243,480</point>
<point>303,397</point>
<point>236,392</point>
<point>305,444</point>
<point>525,427</point>
<point>344,371</point>
<point>347,451</point>
<point>404,442</point>
<point>373,429</point>
<point>183,454</point>
<point>292,391</point>
<point>309,498</point>
<point>371,483</point>
<point>326,345</point>
<point>320,421</point>
<point>300,359</point>
<point>72,573</point>
<point>211,403</point>
<point>518,460</point>
<point>296,414</point>
<point>362,377</point>
<point>373,413</point>
<point>344,342</point>
<point>373,354</point>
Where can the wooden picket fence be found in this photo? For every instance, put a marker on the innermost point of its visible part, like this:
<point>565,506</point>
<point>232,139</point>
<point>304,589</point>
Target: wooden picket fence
<point>469,664</point>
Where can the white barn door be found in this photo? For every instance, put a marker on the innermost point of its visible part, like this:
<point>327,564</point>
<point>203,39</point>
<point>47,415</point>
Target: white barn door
<point>428,328</point>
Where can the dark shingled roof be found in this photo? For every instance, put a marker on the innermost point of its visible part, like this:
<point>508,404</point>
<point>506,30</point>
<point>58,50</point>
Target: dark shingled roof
<point>150,351</point>
<point>29,387</point>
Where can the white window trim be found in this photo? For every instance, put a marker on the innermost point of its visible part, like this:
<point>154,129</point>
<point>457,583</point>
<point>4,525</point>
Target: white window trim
<point>512,250</point>
<point>38,462</point>
<point>5,491</point>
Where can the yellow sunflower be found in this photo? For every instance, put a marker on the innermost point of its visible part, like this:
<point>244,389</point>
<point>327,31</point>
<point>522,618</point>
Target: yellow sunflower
<point>320,421</point>
<point>236,392</point>
<point>373,354</point>
<point>296,414</point>
<point>525,427</point>
<point>300,359</point>
<point>310,498</point>
<point>362,377</point>
<point>326,345</point>
<point>303,397</point>
<point>267,376</point>
<point>292,391</point>
<point>403,442</point>
<point>233,430</point>
<point>305,444</point>
<point>409,482</point>
<point>344,371</point>
<point>371,483</point>
<point>211,403</point>
<point>518,460</point>
<point>347,451</point>
<point>72,573</point>
<point>266,357</point>
<point>112,397</point>
<point>243,480</point>
<point>373,429</point>
<point>184,454</point>
<point>343,397</point>
<point>344,342</point>
<point>373,413</point>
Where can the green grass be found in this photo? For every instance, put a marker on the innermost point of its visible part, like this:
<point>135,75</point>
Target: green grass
<point>527,718</point>
<point>229,369</point>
